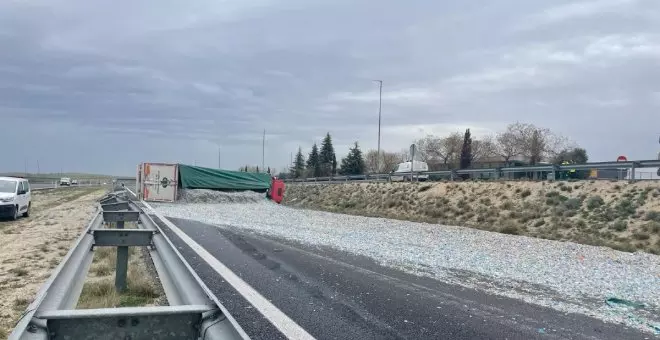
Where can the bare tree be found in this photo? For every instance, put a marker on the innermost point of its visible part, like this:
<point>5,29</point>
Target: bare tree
<point>371,161</point>
<point>510,143</point>
<point>539,144</point>
<point>387,161</point>
<point>404,155</point>
<point>450,148</point>
<point>428,148</point>
<point>483,148</point>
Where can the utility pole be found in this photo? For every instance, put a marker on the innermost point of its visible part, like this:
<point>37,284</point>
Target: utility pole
<point>38,170</point>
<point>380,106</point>
<point>219,158</point>
<point>263,150</point>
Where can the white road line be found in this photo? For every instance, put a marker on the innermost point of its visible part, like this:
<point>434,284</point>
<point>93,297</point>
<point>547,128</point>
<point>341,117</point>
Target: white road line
<point>284,324</point>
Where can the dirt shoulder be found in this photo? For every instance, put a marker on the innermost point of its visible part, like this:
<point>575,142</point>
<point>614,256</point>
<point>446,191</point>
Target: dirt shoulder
<point>30,248</point>
<point>620,215</point>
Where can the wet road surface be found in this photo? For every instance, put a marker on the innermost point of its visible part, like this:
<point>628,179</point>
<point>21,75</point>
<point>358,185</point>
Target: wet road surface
<point>337,295</point>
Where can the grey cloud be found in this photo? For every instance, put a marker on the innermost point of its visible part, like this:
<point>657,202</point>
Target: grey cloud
<point>178,80</point>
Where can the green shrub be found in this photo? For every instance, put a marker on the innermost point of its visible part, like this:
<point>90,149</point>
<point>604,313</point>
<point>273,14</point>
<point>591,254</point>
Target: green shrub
<point>510,229</point>
<point>619,225</point>
<point>525,193</point>
<point>641,236</point>
<point>653,216</point>
<point>594,202</point>
<point>573,204</point>
<point>652,227</point>
<point>626,207</point>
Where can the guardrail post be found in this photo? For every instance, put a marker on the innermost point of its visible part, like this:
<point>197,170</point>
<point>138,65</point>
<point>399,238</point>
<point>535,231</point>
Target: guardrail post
<point>632,172</point>
<point>122,264</point>
<point>554,171</point>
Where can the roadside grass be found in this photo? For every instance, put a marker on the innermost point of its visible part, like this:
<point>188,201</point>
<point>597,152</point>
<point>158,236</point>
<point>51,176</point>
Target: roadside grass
<point>71,195</point>
<point>622,216</point>
<point>99,288</point>
<point>21,303</point>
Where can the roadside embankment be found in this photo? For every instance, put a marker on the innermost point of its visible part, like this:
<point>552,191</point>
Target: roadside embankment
<point>30,248</point>
<point>624,216</point>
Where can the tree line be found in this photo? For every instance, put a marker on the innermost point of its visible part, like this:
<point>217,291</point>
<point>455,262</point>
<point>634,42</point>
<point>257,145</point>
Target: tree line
<point>518,142</point>
<point>320,162</point>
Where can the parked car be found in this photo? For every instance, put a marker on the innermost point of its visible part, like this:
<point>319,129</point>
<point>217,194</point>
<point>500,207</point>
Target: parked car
<point>74,182</point>
<point>65,181</point>
<point>402,172</point>
<point>15,197</point>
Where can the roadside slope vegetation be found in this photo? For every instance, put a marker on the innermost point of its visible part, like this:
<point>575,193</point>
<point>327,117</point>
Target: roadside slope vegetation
<point>624,216</point>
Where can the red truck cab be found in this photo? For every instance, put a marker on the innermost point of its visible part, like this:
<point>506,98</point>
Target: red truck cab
<point>276,192</point>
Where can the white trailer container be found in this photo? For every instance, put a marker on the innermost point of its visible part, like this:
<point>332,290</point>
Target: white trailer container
<point>157,182</point>
<point>402,172</point>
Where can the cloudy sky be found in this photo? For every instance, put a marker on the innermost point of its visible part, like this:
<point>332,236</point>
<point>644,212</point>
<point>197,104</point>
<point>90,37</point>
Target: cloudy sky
<point>99,86</point>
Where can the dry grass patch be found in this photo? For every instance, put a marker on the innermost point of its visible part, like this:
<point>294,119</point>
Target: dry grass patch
<point>29,245</point>
<point>19,271</point>
<point>99,289</point>
<point>21,303</point>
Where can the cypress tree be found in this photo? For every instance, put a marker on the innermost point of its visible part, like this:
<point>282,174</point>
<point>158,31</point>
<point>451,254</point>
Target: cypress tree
<point>327,157</point>
<point>314,162</point>
<point>353,163</point>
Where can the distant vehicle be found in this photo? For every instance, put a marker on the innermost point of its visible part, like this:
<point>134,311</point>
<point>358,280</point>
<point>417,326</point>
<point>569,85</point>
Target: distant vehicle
<point>65,181</point>
<point>402,172</point>
<point>15,197</point>
<point>74,182</point>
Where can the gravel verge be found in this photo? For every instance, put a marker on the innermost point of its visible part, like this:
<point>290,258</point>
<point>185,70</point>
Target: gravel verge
<point>565,276</point>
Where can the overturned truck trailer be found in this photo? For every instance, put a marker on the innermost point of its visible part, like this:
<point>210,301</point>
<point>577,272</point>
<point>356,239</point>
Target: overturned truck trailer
<point>160,182</point>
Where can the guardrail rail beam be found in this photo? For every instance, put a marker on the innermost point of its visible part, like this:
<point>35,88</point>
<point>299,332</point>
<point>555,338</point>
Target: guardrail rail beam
<point>191,310</point>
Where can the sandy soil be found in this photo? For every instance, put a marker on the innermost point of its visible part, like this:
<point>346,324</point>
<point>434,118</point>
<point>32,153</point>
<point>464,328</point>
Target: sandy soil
<point>31,248</point>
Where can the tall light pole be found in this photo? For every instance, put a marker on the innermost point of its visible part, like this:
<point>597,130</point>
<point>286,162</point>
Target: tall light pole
<point>380,106</point>
<point>263,151</point>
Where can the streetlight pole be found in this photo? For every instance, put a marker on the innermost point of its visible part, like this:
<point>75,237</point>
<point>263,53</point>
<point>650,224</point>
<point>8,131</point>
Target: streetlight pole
<point>380,106</point>
<point>263,151</point>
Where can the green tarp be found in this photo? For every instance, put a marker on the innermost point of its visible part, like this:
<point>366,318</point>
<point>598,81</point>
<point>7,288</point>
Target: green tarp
<point>196,177</point>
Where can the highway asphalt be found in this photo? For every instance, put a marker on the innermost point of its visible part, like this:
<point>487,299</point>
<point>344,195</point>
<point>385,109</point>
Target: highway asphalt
<point>337,295</point>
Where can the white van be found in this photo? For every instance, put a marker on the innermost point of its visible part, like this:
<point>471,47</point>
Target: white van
<point>402,171</point>
<point>15,197</point>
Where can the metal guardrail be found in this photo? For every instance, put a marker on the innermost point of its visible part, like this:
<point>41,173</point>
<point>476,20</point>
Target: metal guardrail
<point>495,172</point>
<point>56,186</point>
<point>191,312</point>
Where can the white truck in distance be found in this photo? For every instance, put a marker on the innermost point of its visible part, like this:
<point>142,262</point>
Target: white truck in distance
<point>402,172</point>
<point>65,181</point>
